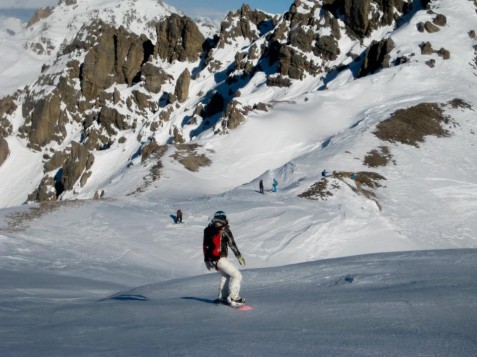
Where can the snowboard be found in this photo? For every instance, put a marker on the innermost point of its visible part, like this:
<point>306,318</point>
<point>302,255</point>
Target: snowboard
<point>236,306</point>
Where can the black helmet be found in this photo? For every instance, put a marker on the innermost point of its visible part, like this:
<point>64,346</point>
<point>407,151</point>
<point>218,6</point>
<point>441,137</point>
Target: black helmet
<point>220,215</point>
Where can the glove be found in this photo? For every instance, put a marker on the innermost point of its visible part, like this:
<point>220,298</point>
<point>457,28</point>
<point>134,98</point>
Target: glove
<point>210,265</point>
<point>241,260</point>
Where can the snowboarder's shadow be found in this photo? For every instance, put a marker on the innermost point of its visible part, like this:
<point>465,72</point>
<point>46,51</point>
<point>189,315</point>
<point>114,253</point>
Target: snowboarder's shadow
<point>127,297</point>
<point>207,301</point>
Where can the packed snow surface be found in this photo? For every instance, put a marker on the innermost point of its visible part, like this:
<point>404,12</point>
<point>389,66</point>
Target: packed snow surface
<point>400,304</point>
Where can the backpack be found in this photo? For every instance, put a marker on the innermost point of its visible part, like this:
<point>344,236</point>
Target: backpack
<point>212,243</point>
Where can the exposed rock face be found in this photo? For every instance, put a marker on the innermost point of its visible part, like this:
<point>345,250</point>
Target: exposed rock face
<point>304,34</point>
<point>246,22</point>
<point>430,27</point>
<point>46,191</point>
<point>142,101</point>
<point>55,162</point>
<point>178,38</point>
<point>440,20</point>
<point>46,121</point>
<point>4,151</point>
<point>376,57</point>
<point>233,115</point>
<point>356,16</point>
<point>278,82</point>
<point>182,86</point>
<point>431,63</point>
<point>39,15</point>
<point>111,120</point>
<point>445,54</point>
<point>312,30</point>
<point>178,138</point>
<point>154,77</point>
<point>363,16</point>
<point>426,48</point>
<point>293,64</point>
<point>78,161</point>
<point>117,58</point>
<point>327,47</point>
<point>7,107</point>
<point>152,149</point>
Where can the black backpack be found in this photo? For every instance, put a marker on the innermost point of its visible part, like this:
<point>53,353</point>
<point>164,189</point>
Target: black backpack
<point>212,243</point>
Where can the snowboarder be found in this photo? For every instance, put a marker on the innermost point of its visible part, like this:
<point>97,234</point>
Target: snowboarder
<point>323,173</point>
<point>217,239</point>
<point>260,185</point>
<point>179,216</point>
<point>275,184</point>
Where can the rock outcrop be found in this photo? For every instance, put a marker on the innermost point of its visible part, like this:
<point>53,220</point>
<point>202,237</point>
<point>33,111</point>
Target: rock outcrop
<point>154,77</point>
<point>247,23</point>
<point>178,39</point>
<point>39,15</point>
<point>376,57</point>
<point>4,151</point>
<point>76,164</point>
<point>7,107</point>
<point>363,16</point>
<point>182,86</point>
<point>46,122</point>
<point>117,58</point>
<point>46,191</point>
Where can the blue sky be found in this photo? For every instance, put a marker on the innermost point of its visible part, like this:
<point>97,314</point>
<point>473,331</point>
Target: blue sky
<point>208,8</point>
<point>213,8</point>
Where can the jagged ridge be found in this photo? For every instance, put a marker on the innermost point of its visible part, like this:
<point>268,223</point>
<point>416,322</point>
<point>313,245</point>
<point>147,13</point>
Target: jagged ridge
<point>111,85</point>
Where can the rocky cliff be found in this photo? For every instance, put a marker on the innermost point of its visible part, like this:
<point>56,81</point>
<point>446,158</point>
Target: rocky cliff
<point>109,85</point>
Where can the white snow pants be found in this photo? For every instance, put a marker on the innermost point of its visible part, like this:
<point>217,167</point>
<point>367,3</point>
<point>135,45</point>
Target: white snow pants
<point>230,278</point>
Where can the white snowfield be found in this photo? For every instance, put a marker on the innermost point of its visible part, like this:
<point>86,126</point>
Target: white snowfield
<point>340,277</point>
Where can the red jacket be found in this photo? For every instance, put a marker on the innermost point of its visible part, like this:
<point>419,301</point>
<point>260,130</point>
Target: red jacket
<point>226,240</point>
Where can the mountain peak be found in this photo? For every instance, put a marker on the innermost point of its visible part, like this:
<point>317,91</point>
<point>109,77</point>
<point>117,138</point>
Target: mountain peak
<point>51,27</point>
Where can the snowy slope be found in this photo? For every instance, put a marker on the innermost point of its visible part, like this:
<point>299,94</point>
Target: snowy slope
<point>419,304</point>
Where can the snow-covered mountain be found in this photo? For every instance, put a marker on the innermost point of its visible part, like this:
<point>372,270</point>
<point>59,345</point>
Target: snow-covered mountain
<point>136,98</point>
<point>123,80</point>
<point>149,111</point>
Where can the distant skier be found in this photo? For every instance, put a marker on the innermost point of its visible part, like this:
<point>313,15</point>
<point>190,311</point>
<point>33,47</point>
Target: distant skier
<point>274,186</point>
<point>260,185</point>
<point>179,216</point>
<point>217,239</point>
<point>324,173</point>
